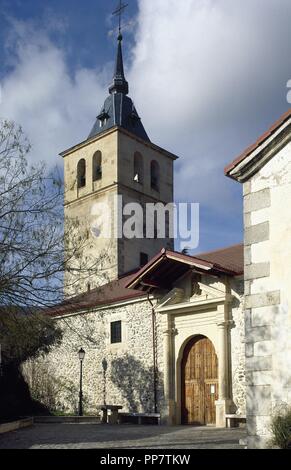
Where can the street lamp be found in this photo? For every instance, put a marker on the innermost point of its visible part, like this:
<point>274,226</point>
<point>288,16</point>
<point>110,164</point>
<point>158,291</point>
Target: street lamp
<point>81,355</point>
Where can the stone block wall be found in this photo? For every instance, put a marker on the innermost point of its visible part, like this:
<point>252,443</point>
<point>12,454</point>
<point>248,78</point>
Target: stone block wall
<point>267,217</point>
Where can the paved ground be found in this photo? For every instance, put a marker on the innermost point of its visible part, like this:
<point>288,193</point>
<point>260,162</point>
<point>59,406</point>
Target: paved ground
<point>90,436</point>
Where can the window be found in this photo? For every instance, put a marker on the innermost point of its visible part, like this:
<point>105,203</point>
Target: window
<point>103,118</point>
<point>144,259</point>
<point>103,122</point>
<point>116,332</point>
<point>81,173</point>
<point>138,168</point>
<point>97,166</point>
<point>155,176</point>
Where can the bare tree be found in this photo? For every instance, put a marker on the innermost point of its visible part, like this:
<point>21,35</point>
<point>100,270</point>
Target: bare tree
<point>34,253</point>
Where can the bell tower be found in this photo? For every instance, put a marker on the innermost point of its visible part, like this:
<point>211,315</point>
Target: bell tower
<point>116,162</point>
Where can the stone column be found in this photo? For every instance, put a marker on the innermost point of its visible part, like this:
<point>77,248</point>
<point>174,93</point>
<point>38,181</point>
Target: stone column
<point>168,415</point>
<point>222,364</point>
<point>223,404</point>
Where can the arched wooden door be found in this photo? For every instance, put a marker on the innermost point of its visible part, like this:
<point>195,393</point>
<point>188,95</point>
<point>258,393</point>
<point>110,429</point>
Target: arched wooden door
<point>199,382</point>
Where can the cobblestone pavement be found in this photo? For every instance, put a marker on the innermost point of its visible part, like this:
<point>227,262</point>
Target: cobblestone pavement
<point>90,436</point>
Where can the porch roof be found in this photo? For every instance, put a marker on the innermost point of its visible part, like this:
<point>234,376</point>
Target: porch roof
<point>168,266</point>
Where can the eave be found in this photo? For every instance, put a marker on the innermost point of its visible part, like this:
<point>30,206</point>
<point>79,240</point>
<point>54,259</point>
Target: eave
<point>87,142</point>
<point>258,154</point>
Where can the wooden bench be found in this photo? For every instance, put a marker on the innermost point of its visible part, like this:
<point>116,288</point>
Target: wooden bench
<point>111,418</point>
<point>233,421</point>
<point>139,418</point>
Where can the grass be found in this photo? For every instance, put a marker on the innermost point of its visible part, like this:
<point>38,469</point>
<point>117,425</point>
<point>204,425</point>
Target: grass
<point>281,429</point>
<point>61,413</point>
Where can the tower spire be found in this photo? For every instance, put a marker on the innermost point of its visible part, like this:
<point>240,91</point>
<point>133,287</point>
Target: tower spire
<point>118,109</point>
<point>119,85</point>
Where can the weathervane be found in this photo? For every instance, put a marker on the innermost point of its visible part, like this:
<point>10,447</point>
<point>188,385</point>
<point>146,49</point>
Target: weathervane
<point>119,11</point>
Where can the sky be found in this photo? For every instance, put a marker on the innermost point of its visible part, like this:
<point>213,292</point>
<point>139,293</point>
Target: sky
<point>207,77</point>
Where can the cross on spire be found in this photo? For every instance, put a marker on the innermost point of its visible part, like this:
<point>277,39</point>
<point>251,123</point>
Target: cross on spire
<point>119,12</point>
<point>120,84</point>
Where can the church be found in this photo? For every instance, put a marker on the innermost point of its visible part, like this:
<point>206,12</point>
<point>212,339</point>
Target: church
<point>178,339</point>
<point>163,331</point>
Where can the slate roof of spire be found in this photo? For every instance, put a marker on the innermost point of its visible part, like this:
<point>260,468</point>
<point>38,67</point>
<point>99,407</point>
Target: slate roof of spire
<point>118,109</point>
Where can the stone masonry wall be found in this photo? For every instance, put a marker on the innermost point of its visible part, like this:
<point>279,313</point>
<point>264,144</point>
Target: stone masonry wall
<point>267,202</point>
<point>120,374</point>
<point>237,344</point>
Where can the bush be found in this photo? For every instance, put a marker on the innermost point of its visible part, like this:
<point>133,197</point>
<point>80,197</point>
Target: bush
<point>281,429</point>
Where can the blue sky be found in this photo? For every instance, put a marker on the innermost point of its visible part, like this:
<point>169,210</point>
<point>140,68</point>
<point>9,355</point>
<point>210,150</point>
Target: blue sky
<point>81,27</point>
<point>207,77</point>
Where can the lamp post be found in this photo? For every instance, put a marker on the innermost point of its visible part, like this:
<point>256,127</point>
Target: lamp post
<point>81,355</point>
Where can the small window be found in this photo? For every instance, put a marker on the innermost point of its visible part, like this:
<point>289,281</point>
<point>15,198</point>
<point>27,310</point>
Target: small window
<point>97,166</point>
<point>138,168</point>
<point>116,332</point>
<point>144,259</point>
<point>81,174</point>
<point>155,176</point>
<point>103,122</point>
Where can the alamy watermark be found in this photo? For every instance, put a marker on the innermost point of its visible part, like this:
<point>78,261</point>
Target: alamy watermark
<point>115,218</point>
<point>289,91</point>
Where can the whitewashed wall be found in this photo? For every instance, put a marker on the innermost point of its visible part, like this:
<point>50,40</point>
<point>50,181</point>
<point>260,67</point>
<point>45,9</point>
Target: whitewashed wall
<point>267,202</point>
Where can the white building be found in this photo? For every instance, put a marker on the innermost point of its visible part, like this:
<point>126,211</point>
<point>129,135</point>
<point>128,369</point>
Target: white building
<point>264,169</point>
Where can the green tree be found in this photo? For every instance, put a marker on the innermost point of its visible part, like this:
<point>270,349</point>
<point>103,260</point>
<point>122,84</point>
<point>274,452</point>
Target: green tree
<point>26,335</point>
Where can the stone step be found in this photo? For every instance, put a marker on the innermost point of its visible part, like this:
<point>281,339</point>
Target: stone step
<point>14,425</point>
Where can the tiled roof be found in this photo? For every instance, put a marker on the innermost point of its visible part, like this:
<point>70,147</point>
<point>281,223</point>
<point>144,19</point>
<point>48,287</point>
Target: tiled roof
<point>259,142</point>
<point>110,293</point>
<point>228,260</point>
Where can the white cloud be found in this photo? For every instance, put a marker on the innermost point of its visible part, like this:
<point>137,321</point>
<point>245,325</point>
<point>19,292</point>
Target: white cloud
<point>55,109</point>
<point>206,75</point>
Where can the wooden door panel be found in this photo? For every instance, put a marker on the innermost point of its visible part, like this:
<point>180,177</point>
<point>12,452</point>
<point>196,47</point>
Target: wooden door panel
<point>211,395</point>
<point>194,408</point>
<point>199,382</point>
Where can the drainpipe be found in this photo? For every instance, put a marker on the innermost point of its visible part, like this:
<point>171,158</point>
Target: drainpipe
<point>154,354</point>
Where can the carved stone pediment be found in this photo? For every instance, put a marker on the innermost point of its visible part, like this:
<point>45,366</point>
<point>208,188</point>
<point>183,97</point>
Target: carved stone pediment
<point>201,291</point>
<point>175,296</point>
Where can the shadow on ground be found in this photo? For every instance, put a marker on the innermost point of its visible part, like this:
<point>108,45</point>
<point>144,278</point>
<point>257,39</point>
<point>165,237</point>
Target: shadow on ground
<point>88,436</point>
